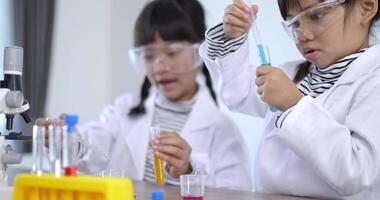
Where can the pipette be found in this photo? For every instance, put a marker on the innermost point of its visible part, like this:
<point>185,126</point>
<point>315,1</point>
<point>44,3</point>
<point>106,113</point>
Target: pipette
<point>262,49</point>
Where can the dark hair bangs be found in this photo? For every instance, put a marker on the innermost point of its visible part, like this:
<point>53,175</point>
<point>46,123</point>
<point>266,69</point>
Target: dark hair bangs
<point>284,6</point>
<point>167,20</point>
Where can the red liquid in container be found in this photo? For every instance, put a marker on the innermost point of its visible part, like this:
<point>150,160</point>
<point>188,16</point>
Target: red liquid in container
<point>192,198</point>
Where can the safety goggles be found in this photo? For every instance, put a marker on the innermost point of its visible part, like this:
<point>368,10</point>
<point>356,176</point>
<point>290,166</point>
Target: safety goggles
<point>315,20</point>
<point>176,58</point>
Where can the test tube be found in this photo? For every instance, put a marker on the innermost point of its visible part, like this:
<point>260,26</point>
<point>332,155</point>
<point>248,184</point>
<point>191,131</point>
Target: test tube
<point>158,162</point>
<point>51,146</point>
<point>263,50</point>
<point>39,131</point>
<point>70,145</point>
<point>55,146</point>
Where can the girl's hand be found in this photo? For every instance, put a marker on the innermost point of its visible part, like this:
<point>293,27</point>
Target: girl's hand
<point>237,18</point>
<point>169,146</point>
<point>276,89</point>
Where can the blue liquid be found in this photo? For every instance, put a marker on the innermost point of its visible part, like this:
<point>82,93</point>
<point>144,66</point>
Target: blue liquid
<point>262,55</point>
<point>273,109</point>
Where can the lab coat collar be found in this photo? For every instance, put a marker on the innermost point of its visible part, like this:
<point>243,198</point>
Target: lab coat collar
<point>201,116</point>
<point>202,113</point>
<point>364,64</point>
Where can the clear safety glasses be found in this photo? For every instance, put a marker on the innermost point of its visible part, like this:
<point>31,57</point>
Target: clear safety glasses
<point>176,58</point>
<point>315,20</point>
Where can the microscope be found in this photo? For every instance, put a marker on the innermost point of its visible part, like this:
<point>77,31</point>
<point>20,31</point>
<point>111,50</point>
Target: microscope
<point>12,102</point>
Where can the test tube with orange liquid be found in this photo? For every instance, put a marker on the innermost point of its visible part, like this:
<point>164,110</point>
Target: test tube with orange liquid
<point>158,162</point>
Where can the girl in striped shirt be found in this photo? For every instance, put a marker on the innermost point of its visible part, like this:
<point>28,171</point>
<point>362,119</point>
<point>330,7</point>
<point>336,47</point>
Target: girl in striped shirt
<point>196,137</point>
<point>324,139</point>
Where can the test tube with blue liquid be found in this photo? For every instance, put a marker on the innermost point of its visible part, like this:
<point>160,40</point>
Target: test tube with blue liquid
<point>262,49</point>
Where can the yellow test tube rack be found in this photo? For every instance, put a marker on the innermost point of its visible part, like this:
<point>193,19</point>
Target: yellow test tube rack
<point>48,187</point>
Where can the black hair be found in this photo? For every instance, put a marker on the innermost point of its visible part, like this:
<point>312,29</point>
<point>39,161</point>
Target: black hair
<point>173,20</point>
<point>284,5</point>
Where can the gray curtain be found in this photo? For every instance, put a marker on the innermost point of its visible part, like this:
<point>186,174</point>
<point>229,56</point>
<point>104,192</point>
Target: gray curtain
<point>34,27</point>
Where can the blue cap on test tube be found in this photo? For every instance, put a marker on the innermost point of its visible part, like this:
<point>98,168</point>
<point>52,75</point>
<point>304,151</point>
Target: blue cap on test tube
<point>71,121</point>
<point>157,196</point>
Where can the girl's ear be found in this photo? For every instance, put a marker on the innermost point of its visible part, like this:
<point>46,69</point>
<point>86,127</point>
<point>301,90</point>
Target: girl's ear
<point>368,10</point>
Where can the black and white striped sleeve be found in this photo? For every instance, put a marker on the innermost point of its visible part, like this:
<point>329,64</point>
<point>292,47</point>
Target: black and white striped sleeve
<point>218,45</point>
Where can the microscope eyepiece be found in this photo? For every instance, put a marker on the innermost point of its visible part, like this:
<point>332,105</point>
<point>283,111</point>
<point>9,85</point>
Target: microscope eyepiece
<point>13,60</point>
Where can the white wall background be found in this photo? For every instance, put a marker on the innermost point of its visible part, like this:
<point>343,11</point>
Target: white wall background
<point>6,21</point>
<point>6,38</point>
<point>90,64</point>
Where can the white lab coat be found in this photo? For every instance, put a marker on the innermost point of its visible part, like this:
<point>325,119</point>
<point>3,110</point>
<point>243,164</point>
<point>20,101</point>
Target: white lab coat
<point>119,142</point>
<point>328,146</point>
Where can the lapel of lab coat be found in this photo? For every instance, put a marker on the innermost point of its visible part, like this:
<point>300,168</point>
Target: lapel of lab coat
<point>366,63</point>
<point>202,114</point>
<point>138,138</point>
<point>200,117</point>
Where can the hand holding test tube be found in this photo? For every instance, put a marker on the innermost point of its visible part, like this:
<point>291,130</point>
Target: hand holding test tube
<point>263,51</point>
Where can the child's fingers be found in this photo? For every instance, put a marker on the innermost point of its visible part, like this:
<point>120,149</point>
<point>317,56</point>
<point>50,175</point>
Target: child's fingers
<point>168,158</point>
<point>172,139</point>
<point>241,4</point>
<point>260,81</point>
<point>263,70</point>
<point>254,9</point>
<point>153,143</point>
<point>238,13</point>
<point>260,90</point>
<point>166,134</point>
<point>177,142</point>
<point>170,150</point>
<point>235,22</point>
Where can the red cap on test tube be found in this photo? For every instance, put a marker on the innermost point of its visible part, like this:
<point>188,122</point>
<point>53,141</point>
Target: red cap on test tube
<point>71,171</point>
